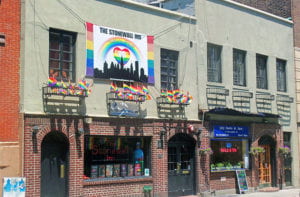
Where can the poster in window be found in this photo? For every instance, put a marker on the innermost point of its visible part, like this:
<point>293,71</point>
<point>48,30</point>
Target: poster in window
<point>119,54</point>
<point>14,186</point>
<point>116,172</point>
<point>130,170</point>
<point>94,171</point>
<point>109,170</point>
<point>101,171</point>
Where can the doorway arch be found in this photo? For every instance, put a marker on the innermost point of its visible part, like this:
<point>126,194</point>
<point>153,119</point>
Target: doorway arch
<point>181,165</point>
<point>267,161</point>
<point>54,165</point>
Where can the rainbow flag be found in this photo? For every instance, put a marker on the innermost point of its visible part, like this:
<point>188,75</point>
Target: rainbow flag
<point>133,90</point>
<point>113,88</point>
<point>82,85</point>
<point>163,93</point>
<point>148,97</point>
<point>126,88</point>
<point>52,82</point>
<point>145,90</point>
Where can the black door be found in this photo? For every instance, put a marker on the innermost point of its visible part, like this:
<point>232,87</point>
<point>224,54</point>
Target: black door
<point>54,165</point>
<point>181,165</point>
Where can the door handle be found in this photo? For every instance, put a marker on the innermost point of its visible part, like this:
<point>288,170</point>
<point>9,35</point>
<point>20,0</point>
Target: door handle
<point>62,171</point>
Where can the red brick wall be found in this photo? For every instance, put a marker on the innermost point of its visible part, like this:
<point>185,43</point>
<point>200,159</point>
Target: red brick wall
<point>9,75</point>
<point>277,7</point>
<point>296,19</point>
<point>258,131</point>
<point>100,126</point>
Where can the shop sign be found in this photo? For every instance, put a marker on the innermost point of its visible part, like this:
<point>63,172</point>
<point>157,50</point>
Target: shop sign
<point>121,108</point>
<point>231,131</point>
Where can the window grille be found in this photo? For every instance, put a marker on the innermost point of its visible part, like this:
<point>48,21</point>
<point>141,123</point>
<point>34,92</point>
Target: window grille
<point>61,54</point>
<point>281,75</point>
<point>168,69</point>
<point>214,63</point>
<point>239,67</point>
<point>261,72</point>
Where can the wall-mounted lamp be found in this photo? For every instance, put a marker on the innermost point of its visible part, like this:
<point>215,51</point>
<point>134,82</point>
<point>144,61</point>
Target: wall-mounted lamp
<point>79,132</point>
<point>160,142</point>
<point>35,130</point>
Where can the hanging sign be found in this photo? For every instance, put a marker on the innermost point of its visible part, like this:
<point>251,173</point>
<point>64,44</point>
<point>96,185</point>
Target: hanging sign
<point>231,131</point>
<point>119,54</point>
<point>242,180</point>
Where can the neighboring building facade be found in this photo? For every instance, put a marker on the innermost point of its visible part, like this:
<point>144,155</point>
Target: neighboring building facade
<point>10,119</point>
<point>296,20</point>
<point>113,141</point>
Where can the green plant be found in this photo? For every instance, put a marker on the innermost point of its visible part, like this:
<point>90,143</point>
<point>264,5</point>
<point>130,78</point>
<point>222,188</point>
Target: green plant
<point>205,151</point>
<point>285,150</point>
<point>220,165</point>
<point>255,150</point>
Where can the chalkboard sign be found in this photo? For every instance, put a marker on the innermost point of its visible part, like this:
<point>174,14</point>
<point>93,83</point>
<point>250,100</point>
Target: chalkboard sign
<point>242,180</point>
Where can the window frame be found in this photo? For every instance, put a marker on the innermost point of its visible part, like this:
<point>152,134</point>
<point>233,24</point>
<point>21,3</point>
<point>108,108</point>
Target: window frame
<point>61,34</point>
<point>105,151</point>
<point>261,74</point>
<point>237,76</point>
<point>214,63</point>
<point>167,59</point>
<point>281,76</point>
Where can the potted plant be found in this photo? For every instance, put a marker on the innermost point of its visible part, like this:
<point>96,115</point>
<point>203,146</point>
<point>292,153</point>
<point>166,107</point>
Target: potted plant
<point>205,151</point>
<point>220,166</point>
<point>284,150</point>
<point>255,150</point>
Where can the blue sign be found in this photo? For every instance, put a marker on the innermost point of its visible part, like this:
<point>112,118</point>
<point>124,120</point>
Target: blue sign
<point>231,131</point>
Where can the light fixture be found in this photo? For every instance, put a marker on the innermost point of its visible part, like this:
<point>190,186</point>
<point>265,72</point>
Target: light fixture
<point>79,132</point>
<point>35,130</point>
<point>160,142</point>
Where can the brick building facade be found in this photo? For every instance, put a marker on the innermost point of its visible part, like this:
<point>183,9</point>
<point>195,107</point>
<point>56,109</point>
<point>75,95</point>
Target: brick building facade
<point>89,143</point>
<point>10,118</point>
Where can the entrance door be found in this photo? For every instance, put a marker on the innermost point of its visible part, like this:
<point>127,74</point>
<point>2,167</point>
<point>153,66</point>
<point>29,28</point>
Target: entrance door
<point>265,175</point>
<point>181,169</point>
<point>54,165</point>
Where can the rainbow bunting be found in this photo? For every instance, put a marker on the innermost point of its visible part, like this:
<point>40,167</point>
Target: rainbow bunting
<point>133,90</point>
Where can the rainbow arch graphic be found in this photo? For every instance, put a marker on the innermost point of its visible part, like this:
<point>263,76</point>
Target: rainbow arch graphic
<point>119,42</point>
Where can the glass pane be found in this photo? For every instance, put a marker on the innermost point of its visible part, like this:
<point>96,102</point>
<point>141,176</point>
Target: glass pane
<point>54,64</point>
<point>54,55</point>
<point>67,56</point>
<point>54,44</point>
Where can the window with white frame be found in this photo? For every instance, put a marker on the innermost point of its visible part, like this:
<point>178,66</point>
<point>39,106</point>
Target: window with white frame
<point>61,54</point>
<point>261,71</point>
<point>214,64</point>
<point>239,67</point>
<point>281,75</point>
<point>168,69</point>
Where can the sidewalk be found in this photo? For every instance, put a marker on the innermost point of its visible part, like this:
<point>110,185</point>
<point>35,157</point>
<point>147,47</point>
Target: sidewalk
<point>280,193</point>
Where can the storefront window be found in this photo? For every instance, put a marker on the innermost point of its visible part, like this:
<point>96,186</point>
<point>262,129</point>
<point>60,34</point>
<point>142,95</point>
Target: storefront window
<point>229,154</point>
<point>111,156</point>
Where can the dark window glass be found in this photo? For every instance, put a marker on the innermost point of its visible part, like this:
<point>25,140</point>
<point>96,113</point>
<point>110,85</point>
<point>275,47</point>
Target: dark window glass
<point>281,75</point>
<point>229,154</point>
<point>214,64</point>
<point>61,54</point>
<point>168,69</point>
<point>239,67</point>
<point>111,156</point>
<point>261,72</point>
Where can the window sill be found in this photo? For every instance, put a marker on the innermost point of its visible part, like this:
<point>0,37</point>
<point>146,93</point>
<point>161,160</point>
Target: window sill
<point>117,180</point>
<point>228,170</point>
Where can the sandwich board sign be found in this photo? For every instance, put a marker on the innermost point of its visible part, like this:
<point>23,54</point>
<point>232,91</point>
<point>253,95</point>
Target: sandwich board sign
<point>242,181</point>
